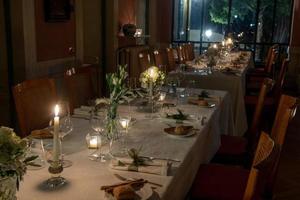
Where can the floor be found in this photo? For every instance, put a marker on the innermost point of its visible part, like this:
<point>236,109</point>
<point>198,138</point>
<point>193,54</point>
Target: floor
<point>288,180</point>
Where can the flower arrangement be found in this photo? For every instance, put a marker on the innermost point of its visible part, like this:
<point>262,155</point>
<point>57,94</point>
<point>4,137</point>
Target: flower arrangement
<point>119,93</point>
<point>13,160</point>
<point>152,75</point>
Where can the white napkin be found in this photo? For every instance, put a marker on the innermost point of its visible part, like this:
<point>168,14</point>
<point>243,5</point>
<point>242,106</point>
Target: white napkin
<point>159,167</point>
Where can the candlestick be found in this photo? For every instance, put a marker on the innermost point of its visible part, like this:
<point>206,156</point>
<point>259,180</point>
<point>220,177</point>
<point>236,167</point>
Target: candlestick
<point>56,145</point>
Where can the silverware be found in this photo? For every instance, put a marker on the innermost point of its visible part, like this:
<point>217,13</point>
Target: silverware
<point>129,179</point>
<point>156,158</point>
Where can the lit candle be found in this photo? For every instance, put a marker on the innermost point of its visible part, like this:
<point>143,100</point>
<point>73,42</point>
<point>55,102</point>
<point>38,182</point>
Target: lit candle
<point>215,46</point>
<point>229,41</point>
<point>93,142</point>
<point>223,43</point>
<point>125,123</point>
<point>56,146</point>
<point>162,96</point>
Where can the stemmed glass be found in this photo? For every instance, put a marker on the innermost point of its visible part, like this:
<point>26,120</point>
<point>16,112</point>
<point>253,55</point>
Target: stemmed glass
<point>97,122</point>
<point>124,124</point>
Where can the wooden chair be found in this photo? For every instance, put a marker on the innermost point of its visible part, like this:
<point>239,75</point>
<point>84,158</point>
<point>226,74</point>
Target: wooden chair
<point>285,113</point>
<point>223,182</point>
<point>160,60</point>
<point>237,149</point>
<point>171,59</point>
<point>34,101</point>
<point>181,55</point>
<point>144,60</point>
<point>79,87</point>
<point>273,96</point>
<point>255,76</point>
<point>190,51</point>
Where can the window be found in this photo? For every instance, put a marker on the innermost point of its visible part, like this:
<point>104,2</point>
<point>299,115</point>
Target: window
<point>255,24</point>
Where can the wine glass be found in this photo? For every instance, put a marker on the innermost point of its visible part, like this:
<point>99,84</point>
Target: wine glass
<point>97,122</point>
<point>124,124</point>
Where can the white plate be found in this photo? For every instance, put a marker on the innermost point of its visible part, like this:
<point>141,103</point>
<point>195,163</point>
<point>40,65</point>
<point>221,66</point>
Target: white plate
<point>193,132</point>
<point>144,193</point>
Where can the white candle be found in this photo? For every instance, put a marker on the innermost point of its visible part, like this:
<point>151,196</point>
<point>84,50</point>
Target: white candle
<point>56,146</point>
<point>223,43</point>
<point>162,96</point>
<point>125,123</point>
<point>93,143</point>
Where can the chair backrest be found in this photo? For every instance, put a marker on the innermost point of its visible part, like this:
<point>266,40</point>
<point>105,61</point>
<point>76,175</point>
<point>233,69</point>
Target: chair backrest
<point>171,59</point>
<point>190,51</point>
<point>253,130</point>
<point>158,58</point>
<point>280,80</point>
<point>34,101</point>
<point>264,150</point>
<point>79,88</point>
<point>271,62</point>
<point>286,111</point>
<point>144,60</point>
<point>181,54</point>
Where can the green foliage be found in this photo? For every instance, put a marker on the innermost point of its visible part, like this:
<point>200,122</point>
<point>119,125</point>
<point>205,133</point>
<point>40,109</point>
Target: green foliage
<point>218,9</point>
<point>13,160</point>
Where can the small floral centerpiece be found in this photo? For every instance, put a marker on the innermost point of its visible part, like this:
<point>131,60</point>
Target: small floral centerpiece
<point>119,94</point>
<point>13,162</point>
<point>151,80</point>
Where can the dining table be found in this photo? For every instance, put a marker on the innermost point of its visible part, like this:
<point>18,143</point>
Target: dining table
<point>185,154</point>
<point>229,75</point>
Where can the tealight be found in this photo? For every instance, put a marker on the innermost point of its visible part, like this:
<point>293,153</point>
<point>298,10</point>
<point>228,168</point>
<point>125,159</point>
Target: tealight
<point>93,141</point>
<point>162,96</point>
<point>124,122</point>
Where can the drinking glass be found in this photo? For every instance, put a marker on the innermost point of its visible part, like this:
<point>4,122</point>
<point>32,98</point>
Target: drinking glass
<point>97,122</point>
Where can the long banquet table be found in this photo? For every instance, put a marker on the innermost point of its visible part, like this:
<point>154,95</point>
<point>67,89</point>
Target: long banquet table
<point>86,177</point>
<point>220,80</point>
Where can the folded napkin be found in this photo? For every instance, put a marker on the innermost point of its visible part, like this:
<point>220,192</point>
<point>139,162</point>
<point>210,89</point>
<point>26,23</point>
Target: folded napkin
<point>159,167</point>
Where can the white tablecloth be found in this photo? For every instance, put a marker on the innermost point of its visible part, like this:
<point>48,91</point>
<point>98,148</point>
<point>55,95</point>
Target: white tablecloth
<point>86,177</point>
<point>233,83</point>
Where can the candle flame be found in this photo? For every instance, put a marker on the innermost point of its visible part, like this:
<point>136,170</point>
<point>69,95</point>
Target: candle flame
<point>56,110</point>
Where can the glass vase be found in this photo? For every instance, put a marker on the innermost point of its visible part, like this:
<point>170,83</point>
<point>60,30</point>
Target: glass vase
<point>112,133</point>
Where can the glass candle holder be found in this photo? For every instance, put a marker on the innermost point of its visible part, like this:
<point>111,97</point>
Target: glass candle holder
<point>93,140</point>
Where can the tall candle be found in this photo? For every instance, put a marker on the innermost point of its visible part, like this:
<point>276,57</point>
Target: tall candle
<point>55,135</point>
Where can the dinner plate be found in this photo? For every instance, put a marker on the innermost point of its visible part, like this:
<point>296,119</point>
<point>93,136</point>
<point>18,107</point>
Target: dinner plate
<point>190,133</point>
<point>142,194</point>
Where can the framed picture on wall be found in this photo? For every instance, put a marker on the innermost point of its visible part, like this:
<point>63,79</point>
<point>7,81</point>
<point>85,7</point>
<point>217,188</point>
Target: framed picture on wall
<point>57,10</point>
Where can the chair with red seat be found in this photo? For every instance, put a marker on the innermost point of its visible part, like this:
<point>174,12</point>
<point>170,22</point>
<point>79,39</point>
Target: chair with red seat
<point>222,182</point>
<point>34,101</point>
<point>79,87</point>
<point>236,149</point>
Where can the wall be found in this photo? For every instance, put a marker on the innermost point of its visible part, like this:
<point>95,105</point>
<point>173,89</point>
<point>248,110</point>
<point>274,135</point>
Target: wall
<point>4,88</point>
<point>52,39</point>
<point>127,12</point>
<point>164,21</point>
<point>294,67</point>
<point>295,39</point>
